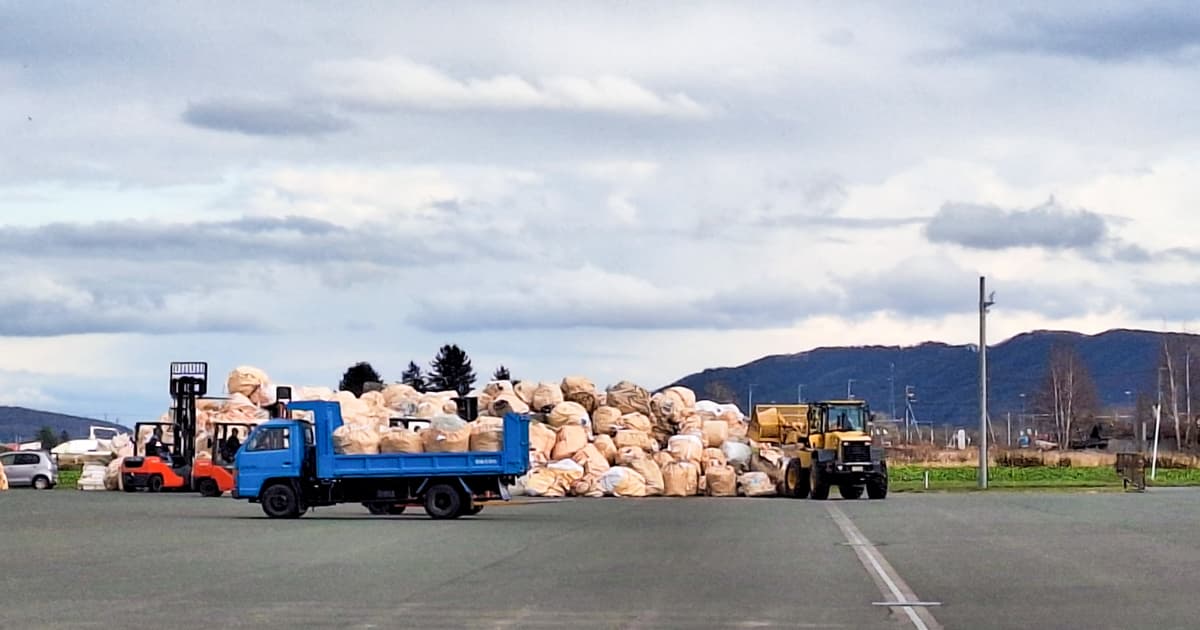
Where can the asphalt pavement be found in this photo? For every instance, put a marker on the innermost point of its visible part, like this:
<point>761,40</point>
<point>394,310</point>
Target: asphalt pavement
<point>968,560</point>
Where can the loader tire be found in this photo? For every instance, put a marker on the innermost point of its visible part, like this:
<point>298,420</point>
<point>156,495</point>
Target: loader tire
<point>795,480</point>
<point>818,486</point>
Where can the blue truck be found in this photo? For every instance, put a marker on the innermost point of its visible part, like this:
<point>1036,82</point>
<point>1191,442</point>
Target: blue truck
<point>289,466</point>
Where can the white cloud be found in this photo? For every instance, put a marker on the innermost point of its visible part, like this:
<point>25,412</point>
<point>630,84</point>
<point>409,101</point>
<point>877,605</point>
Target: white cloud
<point>400,83</point>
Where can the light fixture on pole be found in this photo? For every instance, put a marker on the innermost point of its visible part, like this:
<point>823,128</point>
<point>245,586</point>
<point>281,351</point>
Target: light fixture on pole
<point>985,301</point>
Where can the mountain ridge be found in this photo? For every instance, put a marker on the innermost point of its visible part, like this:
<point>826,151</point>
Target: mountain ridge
<point>944,376</point>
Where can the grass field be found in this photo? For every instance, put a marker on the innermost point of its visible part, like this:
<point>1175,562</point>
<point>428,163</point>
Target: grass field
<point>909,478</point>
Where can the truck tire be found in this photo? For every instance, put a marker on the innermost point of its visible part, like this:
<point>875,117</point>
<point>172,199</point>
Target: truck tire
<point>795,480</point>
<point>818,487</point>
<point>208,487</point>
<point>877,487</point>
<point>280,501</point>
<point>849,491</point>
<point>154,483</point>
<point>443,501</point>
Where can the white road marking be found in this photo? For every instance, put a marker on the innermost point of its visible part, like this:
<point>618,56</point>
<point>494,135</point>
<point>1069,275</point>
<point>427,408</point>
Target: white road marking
<point>890,584</point>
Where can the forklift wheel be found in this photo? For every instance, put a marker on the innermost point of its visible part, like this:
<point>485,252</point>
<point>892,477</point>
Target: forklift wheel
<point>208,487</point>
<point>154,483</point>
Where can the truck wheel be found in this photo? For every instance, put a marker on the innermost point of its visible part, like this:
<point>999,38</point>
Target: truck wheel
<point>376,509</point>
<point>818,487</point>
<point>280,501</point>
<point>850,492</point>
<point>395,510</point>
<point>154,483</point>
<point>795,480</point>
<point>208,487</point>
<point>877,487</point>
<point>443,501</point>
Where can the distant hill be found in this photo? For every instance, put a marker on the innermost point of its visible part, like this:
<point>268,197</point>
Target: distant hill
<point>945,377</point>
<point>19,421</point>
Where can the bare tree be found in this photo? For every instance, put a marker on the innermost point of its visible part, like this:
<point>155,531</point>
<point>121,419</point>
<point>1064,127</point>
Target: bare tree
<point>1175,367</point>
<point>1068,395</point>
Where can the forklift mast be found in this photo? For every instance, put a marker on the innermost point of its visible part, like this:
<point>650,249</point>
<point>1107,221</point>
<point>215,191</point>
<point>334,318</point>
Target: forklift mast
<point>189,381</point>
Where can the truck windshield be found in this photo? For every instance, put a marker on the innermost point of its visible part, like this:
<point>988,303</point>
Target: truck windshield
<point>846,418</point>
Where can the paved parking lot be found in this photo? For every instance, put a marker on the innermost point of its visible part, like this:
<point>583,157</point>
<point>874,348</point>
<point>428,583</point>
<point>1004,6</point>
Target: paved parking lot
<point>1000,560</point>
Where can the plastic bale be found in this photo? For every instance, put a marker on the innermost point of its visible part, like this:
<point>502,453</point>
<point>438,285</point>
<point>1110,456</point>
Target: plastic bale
<point>607,420</point>
<point>400,441</point>
<point>715,433</point>
<point>756,484</point>
<point>505,403</point>
<point>542,438</point>
<point>720,481</point>
<point>350,439</point>
<point>681,479</point>
<point>588,486</point>
<point>662,458</point>
<point>487,441</point>
<point>543,482</point>
<point>629,398</point>
<point>580,390</point>
<point>252,383</point>
<point>652,473</point>
<point>495,388</point>
<point>630,438</point>
<point>691,423</point>
<point>570,440</point>
<point>737,454</point>
<point>487,423</point>
<point>566,413</point>
<point>524,390</point>
<point>439,441</point>
<point>545,396</point>
<point>636,421</point>
<point>607,447</point>
<point>593,461</point>
<point>629,454</point>
<point>686,448</point>
<point>620,481</point>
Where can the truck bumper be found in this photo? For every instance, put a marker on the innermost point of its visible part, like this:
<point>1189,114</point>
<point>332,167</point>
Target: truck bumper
<point>852,473</point>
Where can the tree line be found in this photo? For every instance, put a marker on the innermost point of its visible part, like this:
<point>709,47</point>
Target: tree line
<point>450,370</point>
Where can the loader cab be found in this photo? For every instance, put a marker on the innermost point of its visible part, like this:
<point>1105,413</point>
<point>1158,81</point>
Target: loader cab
<point>839,420</point>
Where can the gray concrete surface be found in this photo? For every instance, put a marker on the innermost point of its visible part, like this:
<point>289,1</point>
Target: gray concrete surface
<point>1004,560</point>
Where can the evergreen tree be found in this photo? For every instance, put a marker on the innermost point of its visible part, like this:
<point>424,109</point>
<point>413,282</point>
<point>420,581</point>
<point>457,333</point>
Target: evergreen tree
<point>501,374</point>
<point>64,437</point>
<point>357,376</point>
<point>451,370</point>
<point>414,377</point>
<point>46,436</point>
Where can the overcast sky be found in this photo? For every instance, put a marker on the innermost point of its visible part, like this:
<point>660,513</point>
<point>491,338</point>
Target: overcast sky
<point>620,190</point>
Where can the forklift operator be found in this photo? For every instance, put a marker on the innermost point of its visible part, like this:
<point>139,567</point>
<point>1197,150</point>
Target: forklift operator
<point>230,448</point>
<point>155,446</point>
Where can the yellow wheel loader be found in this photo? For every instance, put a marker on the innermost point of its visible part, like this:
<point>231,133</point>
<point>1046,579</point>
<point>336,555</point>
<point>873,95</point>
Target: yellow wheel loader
<point>807,449</point>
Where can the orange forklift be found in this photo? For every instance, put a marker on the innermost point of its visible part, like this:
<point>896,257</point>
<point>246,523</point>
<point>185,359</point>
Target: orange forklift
<point>169,467</point>
<point>213,476</point>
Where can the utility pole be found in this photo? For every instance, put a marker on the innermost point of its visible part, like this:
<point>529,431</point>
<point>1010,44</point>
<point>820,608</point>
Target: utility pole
<point>750,404</point>
<point>984,302</point>
<point>800,393</point>
<point>892,388</point>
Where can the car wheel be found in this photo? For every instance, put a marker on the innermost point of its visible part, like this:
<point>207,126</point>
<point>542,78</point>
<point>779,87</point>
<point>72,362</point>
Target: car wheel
<point>443,502</point>
<point>41,483</point>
